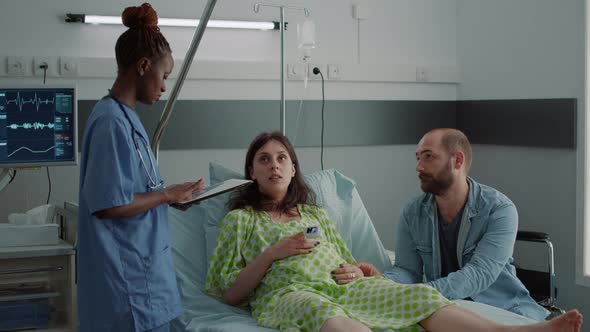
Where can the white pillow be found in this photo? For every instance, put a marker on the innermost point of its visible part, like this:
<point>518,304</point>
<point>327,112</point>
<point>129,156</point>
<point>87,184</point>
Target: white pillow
<point>187,230</point>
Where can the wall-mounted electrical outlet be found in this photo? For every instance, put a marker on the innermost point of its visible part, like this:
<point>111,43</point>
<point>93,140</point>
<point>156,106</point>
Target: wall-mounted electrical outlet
<point>38,70</point>
<point>323,69</point>
<point>68,67</point>
<point>334,72</point>
<point>16,66</point>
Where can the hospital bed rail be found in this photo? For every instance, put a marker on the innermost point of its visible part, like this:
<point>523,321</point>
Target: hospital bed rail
<point>540,284</point>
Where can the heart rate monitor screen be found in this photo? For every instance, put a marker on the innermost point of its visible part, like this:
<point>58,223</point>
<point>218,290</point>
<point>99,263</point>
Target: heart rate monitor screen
<point>37,127</point>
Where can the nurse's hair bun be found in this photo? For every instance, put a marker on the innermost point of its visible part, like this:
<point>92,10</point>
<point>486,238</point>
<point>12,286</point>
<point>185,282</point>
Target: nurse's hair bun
<point>140,17</point>
<point>142,39</point>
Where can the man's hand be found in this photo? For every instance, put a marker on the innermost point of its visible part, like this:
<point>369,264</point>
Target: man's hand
<point>369,270</point>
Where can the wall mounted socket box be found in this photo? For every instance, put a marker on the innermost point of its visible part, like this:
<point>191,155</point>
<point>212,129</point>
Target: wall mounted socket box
<point>16,66</point>
<point>51,64</point>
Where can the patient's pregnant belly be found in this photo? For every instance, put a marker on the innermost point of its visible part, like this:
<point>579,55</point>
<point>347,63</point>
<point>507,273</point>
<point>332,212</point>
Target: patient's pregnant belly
<point>313,267</point>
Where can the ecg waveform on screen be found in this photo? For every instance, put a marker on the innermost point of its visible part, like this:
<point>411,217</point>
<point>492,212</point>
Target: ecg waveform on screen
<point>35,101</point>
<point>34,125</point>
<point>32,151</point>
<point>37,125</point>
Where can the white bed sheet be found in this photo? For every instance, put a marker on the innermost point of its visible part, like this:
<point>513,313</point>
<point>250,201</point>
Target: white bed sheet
<point>213,316</point>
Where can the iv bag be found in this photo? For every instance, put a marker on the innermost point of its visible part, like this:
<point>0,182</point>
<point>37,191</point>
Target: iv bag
<point>306,35</point>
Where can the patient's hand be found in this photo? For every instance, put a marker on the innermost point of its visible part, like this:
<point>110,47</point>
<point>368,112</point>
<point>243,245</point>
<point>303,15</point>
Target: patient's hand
<point>293,245</point>
<point>346,273</point>
<point>368,269</point>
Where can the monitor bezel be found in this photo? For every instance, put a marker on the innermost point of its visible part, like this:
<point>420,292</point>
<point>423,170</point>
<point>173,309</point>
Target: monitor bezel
<point>74,162</point>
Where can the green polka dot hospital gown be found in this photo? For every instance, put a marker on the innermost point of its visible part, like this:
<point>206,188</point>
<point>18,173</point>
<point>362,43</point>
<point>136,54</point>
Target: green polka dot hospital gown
<point>298,293</point>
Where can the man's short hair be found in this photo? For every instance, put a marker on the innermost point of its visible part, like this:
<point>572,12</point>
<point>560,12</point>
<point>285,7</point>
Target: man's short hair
<point>454,140</point>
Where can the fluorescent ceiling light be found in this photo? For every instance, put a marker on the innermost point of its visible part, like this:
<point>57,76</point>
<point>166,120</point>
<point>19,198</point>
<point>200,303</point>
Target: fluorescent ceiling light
<point>177,22</point>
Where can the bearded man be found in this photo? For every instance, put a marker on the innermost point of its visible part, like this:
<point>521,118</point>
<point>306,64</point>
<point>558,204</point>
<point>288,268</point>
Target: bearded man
<point>458,236</point>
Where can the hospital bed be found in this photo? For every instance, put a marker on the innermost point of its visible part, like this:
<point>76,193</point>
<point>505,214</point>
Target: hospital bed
<point>194,233</point>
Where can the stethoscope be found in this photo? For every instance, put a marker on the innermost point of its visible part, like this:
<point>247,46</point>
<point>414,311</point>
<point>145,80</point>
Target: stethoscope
<point>153,181</point>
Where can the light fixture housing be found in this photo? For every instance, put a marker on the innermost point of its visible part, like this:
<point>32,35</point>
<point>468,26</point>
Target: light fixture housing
<point>177,22</point>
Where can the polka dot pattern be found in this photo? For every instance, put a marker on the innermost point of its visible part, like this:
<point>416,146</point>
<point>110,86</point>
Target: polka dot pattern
<point>298,293</point>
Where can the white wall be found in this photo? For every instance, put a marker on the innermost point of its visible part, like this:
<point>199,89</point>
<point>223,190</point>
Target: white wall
<point>420,31</point>
<point>529,49</point>
<point>400,32</point>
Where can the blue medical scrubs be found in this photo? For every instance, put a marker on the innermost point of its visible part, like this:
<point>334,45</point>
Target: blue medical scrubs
<point>125,271</point>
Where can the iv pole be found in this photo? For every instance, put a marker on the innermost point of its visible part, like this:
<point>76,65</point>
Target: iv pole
<point>190,54</point>
<point>283,70</point>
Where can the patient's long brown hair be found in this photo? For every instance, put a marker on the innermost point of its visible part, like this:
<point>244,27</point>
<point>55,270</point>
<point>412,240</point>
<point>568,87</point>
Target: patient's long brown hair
<point>297,193</point>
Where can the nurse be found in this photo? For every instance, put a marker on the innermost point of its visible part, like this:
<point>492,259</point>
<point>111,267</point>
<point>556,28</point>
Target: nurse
<point>126,279</point>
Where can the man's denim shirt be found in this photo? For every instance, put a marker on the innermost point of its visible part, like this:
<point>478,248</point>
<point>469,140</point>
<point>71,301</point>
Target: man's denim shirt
<point>484,251</point>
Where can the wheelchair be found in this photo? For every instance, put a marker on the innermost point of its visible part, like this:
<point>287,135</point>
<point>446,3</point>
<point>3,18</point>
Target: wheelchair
<point>541,284</point>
